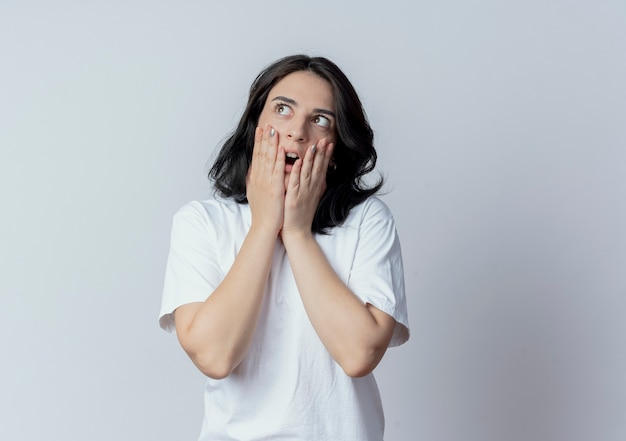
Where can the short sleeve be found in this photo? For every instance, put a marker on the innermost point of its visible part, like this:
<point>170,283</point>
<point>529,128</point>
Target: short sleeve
<point>377,274</point>
<point>192,272</point>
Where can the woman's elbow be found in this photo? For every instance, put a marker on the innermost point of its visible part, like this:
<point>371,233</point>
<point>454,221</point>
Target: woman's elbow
<point>362,364</point>
<point>216,363</point>
<point>357,371</point>
<point>216,369</point>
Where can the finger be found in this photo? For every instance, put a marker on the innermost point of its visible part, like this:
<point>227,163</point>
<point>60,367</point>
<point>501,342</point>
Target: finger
<point>258,136</point>
<point>293,186</point>
<point>321,160</point>
<point>328,157</point>
<point>270,143</point>
<point>273,151</point>
<point>309,160</point>
<point>279,165</point>
<point>318,165</point>
<point>260,144</point>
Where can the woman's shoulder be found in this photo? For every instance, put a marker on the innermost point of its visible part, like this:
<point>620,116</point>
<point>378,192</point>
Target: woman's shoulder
<point>212,211</point>
<point>372,207</point>
<point>211,207</point>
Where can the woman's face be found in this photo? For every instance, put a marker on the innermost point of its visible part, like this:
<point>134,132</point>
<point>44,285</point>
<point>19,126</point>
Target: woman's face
<point>301,109</point>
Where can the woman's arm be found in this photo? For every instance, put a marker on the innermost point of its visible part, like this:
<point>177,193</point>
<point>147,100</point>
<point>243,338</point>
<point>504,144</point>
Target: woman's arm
<point>355,334</point>
<point>216,333</point>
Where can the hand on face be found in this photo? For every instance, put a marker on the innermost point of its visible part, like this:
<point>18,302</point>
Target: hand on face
<point>265,183</point>
<point>283,202</point>
<point>305,187</point>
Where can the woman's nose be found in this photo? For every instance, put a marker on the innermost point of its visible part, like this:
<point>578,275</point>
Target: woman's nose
<point>297,131</point>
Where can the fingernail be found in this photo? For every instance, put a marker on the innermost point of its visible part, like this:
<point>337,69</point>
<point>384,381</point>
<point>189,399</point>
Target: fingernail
<point>272,131</point>
<point>313,148</point>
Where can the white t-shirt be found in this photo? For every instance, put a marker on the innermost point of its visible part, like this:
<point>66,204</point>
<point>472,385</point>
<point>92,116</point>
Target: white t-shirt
<point>288,387</point>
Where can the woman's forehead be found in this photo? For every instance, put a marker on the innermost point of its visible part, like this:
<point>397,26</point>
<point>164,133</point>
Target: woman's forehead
<point>306,89</point>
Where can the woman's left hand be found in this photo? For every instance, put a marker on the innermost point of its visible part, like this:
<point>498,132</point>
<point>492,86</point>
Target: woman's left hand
<point>307,183</point>
<point>327,299</point>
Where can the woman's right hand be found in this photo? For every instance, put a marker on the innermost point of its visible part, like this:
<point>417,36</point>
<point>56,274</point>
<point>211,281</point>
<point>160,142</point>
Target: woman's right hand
<point>217,333</point>
<point>265,182</point>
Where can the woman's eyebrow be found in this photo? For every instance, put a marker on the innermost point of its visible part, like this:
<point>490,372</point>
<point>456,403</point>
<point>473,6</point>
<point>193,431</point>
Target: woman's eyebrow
<point>285,99</point>
<point>295,104</point>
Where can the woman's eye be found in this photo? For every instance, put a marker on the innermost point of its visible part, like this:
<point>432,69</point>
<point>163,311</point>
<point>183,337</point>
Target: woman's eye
<point>321,121</point>
<point>282,109</point>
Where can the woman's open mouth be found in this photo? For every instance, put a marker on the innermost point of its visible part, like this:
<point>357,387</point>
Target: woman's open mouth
<point>291,158</point>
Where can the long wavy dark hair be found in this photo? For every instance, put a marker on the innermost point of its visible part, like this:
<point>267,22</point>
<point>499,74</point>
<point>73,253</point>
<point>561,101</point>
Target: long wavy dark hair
<point>354,153</point>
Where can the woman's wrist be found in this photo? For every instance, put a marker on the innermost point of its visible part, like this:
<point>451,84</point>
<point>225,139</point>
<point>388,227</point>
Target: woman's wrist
<point>294,237</point>
<point>261,229</point>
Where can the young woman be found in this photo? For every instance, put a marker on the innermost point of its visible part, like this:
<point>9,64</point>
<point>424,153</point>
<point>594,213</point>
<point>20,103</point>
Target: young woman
<point>286,289</point>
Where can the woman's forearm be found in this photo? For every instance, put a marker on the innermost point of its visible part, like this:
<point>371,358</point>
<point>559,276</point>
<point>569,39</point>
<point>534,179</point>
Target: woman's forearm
<point>355,334</point>
<point>217,332</point>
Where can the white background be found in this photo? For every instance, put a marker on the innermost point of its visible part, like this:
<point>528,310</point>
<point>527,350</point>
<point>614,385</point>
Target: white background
<point>501,130</point>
